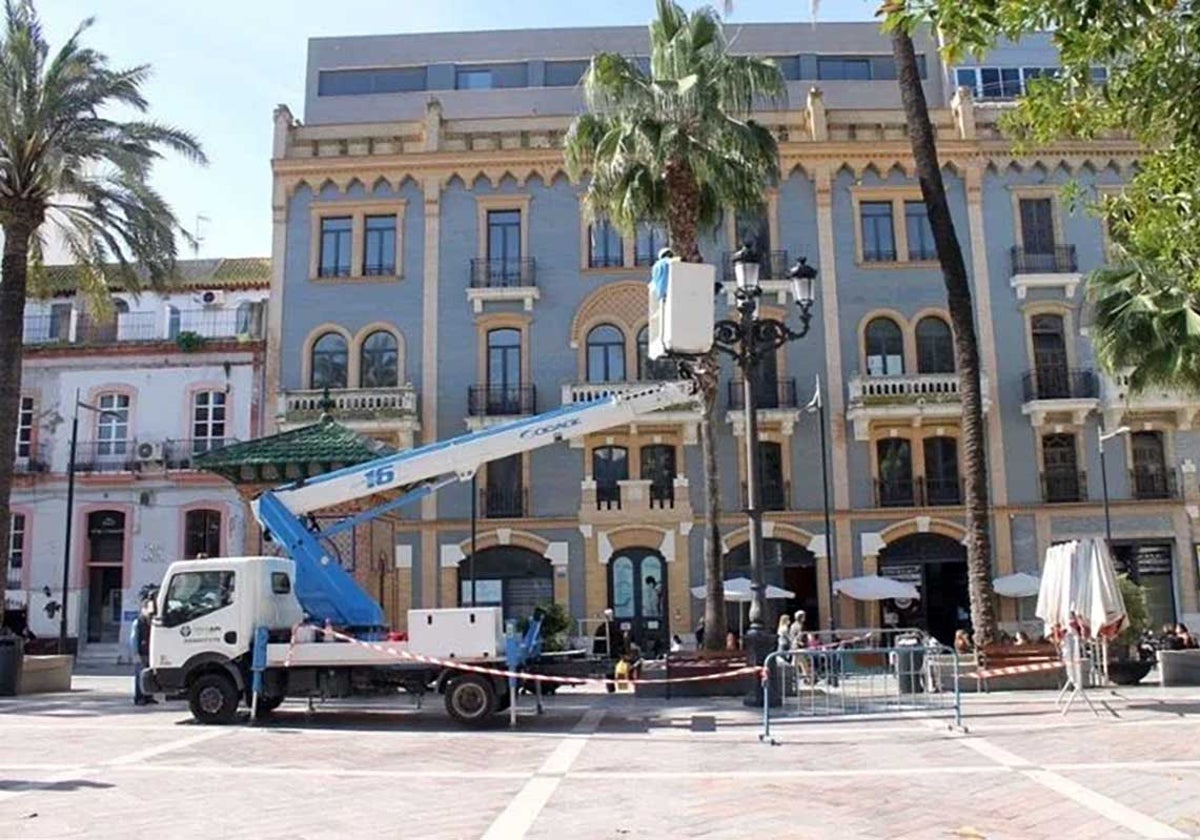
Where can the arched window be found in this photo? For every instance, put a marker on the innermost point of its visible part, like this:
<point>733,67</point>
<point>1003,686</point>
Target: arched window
<point>885,348</point>
<point>330,362</point>
<point>606,354</point>
<point>379,361</point>
<point>935,346</point>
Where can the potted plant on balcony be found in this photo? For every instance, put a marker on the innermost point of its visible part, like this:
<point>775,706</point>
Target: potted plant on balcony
<point>1127,664</point>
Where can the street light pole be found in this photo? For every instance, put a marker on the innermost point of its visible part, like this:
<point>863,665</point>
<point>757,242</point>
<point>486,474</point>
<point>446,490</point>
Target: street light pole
<point>1100,438</point>
<point>830,542</point>
<point>474,502</point>
<point>66,574</point>
<point>748,340</point>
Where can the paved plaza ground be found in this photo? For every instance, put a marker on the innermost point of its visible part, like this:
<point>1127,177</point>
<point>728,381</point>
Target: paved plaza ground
<point>90,764</point>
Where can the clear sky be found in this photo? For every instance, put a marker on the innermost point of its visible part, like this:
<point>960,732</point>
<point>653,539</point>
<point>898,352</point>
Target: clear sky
<point>221,66</point>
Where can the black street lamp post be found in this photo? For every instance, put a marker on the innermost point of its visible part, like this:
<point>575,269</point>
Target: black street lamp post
<point>748,340</point>
<point>66,572</point>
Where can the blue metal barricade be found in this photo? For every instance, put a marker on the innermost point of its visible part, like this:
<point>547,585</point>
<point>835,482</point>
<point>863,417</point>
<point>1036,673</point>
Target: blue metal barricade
<point>912,676</point>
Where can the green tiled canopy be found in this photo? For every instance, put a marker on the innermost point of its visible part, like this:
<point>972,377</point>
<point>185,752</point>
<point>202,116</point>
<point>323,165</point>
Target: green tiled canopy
<point>288,456</point>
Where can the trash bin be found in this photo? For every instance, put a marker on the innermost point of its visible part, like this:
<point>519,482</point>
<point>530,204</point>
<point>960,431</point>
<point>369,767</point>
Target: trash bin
<point>910,659</point>
<point>12,654</point>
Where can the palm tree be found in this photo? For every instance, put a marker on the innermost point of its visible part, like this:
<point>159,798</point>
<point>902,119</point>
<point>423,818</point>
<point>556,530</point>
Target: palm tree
<point>966,343</point>
<point>1145,324</point>
<point>676,145</point>
<point>69,171</point>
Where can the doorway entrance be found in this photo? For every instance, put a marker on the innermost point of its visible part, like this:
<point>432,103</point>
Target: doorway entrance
<point>937,566</point>
<point>105,575</point>
<point>637,591</point>
<point>787,565</point>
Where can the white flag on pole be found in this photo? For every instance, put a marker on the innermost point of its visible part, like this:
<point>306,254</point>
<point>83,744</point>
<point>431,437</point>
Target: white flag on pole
<point>815,402</point>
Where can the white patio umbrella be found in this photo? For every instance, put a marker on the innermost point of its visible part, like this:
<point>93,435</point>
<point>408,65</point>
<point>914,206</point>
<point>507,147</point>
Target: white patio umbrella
<point>875,588</point>
<point>739,590</point>
<point>1079,580</point>
<point>1019,585</point>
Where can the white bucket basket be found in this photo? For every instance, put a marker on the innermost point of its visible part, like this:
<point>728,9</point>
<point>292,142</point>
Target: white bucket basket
<point>682,321</point>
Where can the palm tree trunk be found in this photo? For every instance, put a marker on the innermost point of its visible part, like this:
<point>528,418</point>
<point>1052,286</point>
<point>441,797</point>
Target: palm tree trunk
<point>684,210</point>
<point>966,345</point>
<point>13,273</point>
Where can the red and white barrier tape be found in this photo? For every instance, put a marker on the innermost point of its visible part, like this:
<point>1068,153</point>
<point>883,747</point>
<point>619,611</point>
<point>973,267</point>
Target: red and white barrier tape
<point>520,675</point>
<point>1008,670</point>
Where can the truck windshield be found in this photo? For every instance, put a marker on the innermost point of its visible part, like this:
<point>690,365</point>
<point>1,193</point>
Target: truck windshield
<point>193,594</point>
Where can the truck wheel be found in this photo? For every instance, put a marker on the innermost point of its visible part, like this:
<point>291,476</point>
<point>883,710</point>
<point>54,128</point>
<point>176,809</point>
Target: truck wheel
<point>213,698</point>
<point>471,699</point>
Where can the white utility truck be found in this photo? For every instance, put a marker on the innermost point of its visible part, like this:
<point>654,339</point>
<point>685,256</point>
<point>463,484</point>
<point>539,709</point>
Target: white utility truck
<point>253,629</point>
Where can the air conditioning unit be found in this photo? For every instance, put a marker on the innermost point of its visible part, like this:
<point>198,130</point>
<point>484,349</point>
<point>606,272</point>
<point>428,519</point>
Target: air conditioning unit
<point>149,452</point>
<point>211,297</point>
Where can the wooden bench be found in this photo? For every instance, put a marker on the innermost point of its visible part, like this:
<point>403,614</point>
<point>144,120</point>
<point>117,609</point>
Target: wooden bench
<point>1019,666</point>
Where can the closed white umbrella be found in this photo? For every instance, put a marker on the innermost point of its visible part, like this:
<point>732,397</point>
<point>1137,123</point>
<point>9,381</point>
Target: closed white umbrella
<point>1019,585</point>
<point>1106,610</point>
<point>875,588</point>
<point>1079,580</point>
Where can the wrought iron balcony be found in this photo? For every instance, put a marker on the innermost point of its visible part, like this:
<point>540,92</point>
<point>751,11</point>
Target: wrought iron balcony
<point>608,495</point>
<point>1149,483</point>
<point>606,261</point>
<point>1064,485</point>
<point>1058,259</point>
<point>897,492</point>
<point>501,400</point>
<point>773,266</point>
<point>772,495</point>
<point>778,394</point>
<point>36,461</point>
<point>662,492</point>
<point>503,502</point>
<point>1060,383</point>
<point>502,273</point>
<point>941,491</point>
<point>106,456</point>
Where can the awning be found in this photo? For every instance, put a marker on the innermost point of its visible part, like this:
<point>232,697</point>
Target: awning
<point>740,589</point>
<point>875,588</point>
<point>1019,585</point>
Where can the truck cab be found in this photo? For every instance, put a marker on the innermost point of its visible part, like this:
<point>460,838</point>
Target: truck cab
<point>206,615</point>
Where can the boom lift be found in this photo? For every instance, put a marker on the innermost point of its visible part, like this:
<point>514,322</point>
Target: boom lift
<point>225,629</point>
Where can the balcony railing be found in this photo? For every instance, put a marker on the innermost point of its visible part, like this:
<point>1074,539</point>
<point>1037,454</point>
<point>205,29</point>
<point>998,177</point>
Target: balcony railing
<point>1064,485</point>
<point>503,502</point>
<point>773,266</point>
<point>1153,483</point>
<point>179,454</point>
<point>608,495</point>
<point>606,260</point>
<point>779,394</point>
<point>37,461</point>
<point>1059,259</point>
<point>501,400</point>
<point>106,456</point>
<point>389,403</point>
<point>161,325</point>
<point>904,388</point>
<point>772,495</point>
<point>897,492</point>
<point>662,492</point>
<point>941,491</point>
<point>1060,383</point>
<point>502,273</point>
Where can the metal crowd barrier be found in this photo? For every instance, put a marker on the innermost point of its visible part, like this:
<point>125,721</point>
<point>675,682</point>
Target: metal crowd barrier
<point>913,676</point>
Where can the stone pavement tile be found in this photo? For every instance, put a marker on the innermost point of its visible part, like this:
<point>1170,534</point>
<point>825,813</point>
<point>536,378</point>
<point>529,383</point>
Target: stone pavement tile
<point>1171,795</point>
<point>66,745</point>
<point>374,750</point>
<point>807,751</point>
<point>1107,741</point>
<point>171,805</point>
<point>999,806</point>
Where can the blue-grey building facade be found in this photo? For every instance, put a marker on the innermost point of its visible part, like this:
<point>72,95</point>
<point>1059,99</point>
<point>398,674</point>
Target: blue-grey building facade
<point>434,269</point>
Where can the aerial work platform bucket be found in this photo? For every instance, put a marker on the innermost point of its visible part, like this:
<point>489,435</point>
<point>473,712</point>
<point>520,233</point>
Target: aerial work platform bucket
<point>682,308</point>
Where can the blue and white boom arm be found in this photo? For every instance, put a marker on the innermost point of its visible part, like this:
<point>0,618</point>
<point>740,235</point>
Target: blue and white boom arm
<point>325,591</point>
